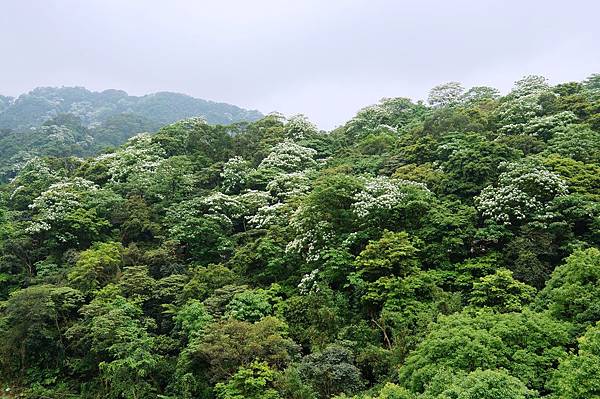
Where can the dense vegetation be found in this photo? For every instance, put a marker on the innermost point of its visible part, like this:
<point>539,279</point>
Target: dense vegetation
<point>74,121</point>
<point>439,251</point>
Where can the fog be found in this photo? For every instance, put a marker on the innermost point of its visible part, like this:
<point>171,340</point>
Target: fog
<point>325,59</point>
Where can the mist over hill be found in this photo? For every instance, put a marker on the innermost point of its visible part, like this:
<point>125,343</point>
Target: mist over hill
<point>74,121</point>
<point>95,108</point>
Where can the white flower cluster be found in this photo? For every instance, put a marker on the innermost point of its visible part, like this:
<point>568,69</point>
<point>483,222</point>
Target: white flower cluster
<point>34,170</point>
<point>220,206</point>
<point>270,215</point>
<point>139,158</point>
<point>514,115</point>
<point>523,192</point>
<point>311,237</point>
<point>234,174</point>
<point>308,283</point>
<point>289,157</point>
<point>369,119</point>
<point>381,192</point>
<point>57,201</point>
<point>542,126</point>
<point>445,94</point>
<point>60,134</point>
<point>531,84</point>
<point>288,185</point>
<point>298,127</point>
<point>252,201</point>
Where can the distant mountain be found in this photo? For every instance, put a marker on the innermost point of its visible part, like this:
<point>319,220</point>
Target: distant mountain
<point>94,108</point>
<point>74,121</point>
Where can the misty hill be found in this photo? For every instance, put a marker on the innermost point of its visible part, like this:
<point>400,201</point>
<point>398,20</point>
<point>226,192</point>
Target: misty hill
<point>74,121</point>
<point>94,108</point>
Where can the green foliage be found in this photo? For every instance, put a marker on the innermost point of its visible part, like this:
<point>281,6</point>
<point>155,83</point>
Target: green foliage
<point>525,344</point>
<point>418,251</point>
<point>577,375</point>
<point>501,291</point>
<point>31,330</point>
<point>331,371</point>
<point>486,384</point>
<point>97,267</point>
<point>572,293</point>
<point>252,382</point>
<point>228,344</point>
<point>252,305</point>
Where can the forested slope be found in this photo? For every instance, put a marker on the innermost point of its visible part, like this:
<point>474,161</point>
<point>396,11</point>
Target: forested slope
<point>73,121</point>
<point>447,251</point>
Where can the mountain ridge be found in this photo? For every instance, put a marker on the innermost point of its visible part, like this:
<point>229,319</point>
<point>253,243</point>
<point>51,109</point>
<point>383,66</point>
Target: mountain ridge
<point>42,103</point>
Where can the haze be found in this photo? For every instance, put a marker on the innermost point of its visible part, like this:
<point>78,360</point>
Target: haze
<point>325,59</point>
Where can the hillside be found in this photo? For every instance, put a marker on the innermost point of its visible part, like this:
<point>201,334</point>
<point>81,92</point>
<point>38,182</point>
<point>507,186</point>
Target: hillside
<point>447,250</point>
<point>95,108</point>
<point>73,121</point>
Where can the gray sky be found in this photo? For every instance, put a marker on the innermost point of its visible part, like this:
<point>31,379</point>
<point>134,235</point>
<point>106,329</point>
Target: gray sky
<point>324,58</point>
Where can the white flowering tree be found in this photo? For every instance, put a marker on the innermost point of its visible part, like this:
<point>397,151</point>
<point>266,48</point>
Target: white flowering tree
<point>523,107</point>
<point>289,185</point>
<point>545,126</point>
<point>388,116</point>
<point>34,178</point>
<point>71,213</point>
<point>277,214</point>
<point>528,85</point>
<point>513,116</point>
<point>203,225</point>
<point>523,192</point>
<point>288,156</point>
<point>446,94</point>
<point>251,202</point>
<point>480,93</point>
<point>299,127</point>
<point>325,217</point>
<point>383,202</point>
<point>132,167</point>
<point>235,175</point>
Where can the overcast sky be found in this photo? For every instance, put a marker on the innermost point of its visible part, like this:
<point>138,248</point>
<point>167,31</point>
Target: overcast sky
<point>322,58</point>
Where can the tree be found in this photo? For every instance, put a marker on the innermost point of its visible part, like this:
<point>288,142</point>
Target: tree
<point>392,255</point>
<point>331,371</point>
<point>447,94</point>
<point>289,157</point>
<point>573,292</point>
<point>487,384</point>
<point>192,319</point>
<point>523,192</point>
<point>228,344</point>
<point>501,291</point>
<point>298,127</point>
<point>112,338</point>
<point>253,382</point>
<point>577,375</point>
<point>386,202</point>
<point>96,267</point>
<point>32,326</point>
<point>202,225</point>
<point>252,305</point>
<point>69,213</point>
<point>527,345</point>
<point>235,174</point>
<point>529,84</point>
<point>576,142</point>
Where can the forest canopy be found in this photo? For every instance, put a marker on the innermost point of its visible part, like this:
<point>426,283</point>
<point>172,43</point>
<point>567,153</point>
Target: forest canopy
<point>438,250</point>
